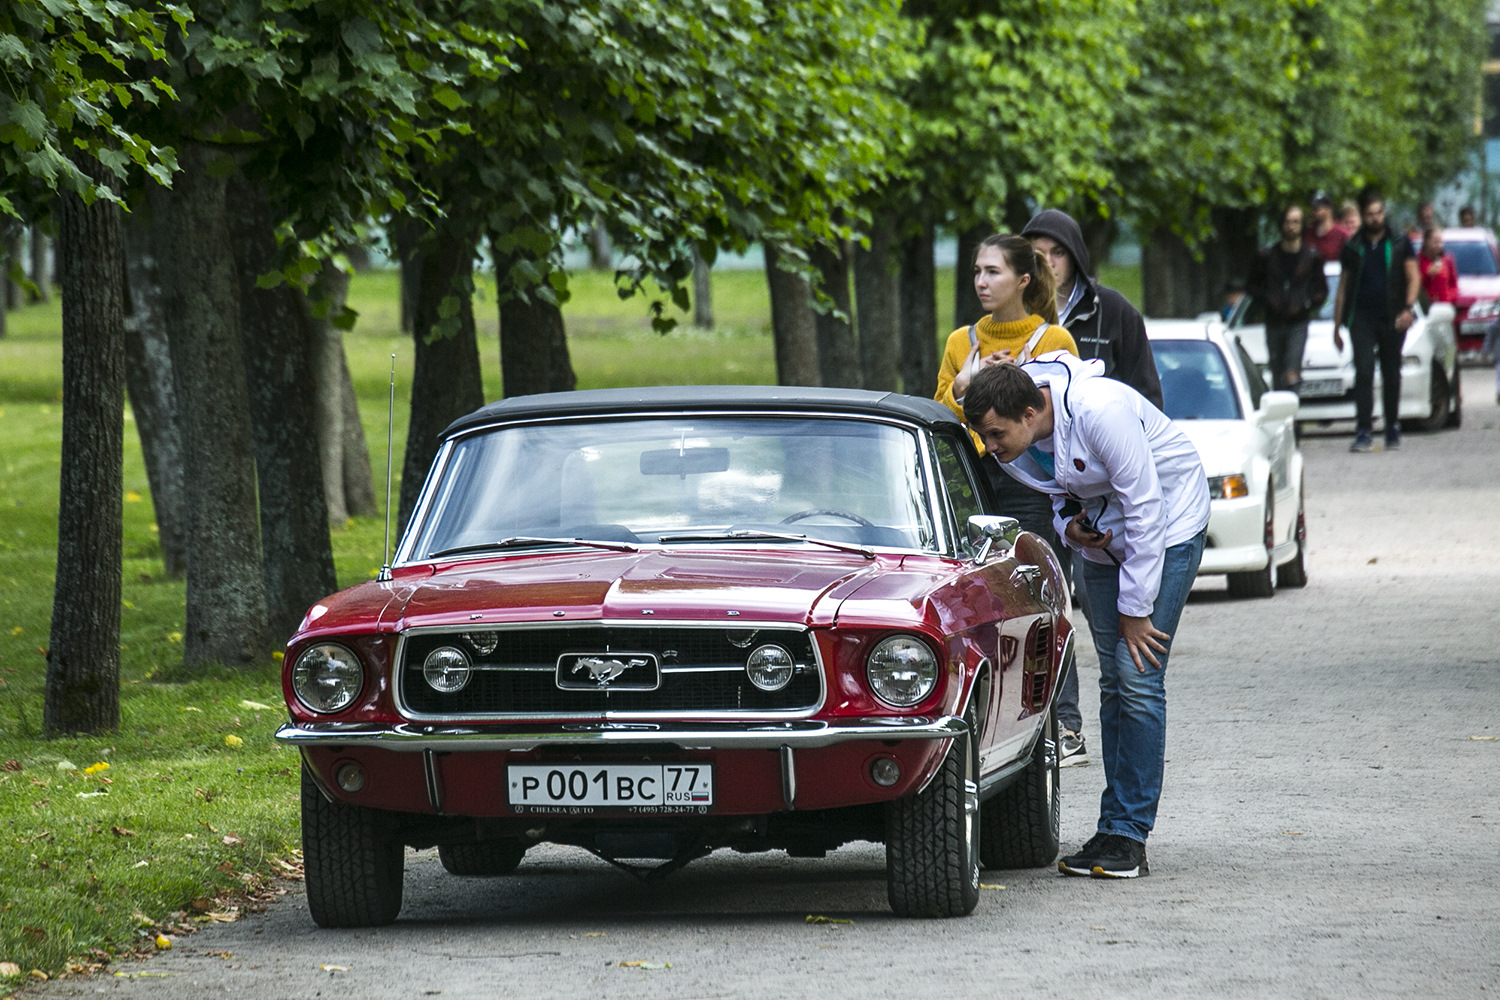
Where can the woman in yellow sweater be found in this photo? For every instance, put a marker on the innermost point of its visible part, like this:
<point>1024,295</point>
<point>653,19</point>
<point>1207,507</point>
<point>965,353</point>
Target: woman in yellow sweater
<point>1016,285</point>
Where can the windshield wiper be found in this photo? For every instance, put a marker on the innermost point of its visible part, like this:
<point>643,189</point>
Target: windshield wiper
<point>528,541</point>
<point>745,533</point>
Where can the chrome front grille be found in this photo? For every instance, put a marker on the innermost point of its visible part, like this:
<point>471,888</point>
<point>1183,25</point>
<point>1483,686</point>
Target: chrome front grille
<point>702,672</point>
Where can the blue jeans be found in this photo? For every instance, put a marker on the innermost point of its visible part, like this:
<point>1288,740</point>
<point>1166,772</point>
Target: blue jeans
<point>1133,703</point>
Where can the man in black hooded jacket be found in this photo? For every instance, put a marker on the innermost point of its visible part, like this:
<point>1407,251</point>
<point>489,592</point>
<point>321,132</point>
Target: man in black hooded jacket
<point>1105,326</point>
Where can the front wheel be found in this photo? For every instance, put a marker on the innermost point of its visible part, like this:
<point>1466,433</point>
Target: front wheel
<point>1019,826</point>
<point>352,861</point>
<point>1456,415</point>
<point>1294,573</point>
<point>932,840</point>
<point>1438,400</point>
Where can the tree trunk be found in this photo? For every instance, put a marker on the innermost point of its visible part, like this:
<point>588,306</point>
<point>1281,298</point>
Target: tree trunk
<point>328,375</point>
<point>41,276</point>
<point>793,324</point>
<point>445,381</point>
<point>276,334</point>
<point>838,352</point>
<point>358,257</point>
<point>83,651</point>
<point>876,308</point>
<point>13,296</point>
<point>966,307</point>
<point>533,340</point>
<point>226,593</point>
<point>1179,281</point>
<point>918,298</point>
<point>407,236</point>
<point>153,395</point>
<point>359,488</point>
<point>601,257</point>
<point>703,293</point>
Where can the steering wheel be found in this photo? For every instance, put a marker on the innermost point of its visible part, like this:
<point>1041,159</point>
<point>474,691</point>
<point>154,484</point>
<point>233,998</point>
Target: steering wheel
<point>817,511</point>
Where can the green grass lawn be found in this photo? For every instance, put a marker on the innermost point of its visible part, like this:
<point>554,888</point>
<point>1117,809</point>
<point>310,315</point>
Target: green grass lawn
<point>196,802</point>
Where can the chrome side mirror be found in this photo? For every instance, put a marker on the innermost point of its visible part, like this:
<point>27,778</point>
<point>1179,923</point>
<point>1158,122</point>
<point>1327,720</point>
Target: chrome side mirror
<point>986,531</point>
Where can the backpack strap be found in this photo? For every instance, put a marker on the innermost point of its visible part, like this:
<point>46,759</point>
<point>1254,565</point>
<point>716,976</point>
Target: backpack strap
<point>1029,351</point>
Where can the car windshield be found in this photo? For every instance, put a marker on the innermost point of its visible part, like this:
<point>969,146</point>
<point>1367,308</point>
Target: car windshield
<point>1472,256</point>
<point>1195,382</point>
<point>637,480</point>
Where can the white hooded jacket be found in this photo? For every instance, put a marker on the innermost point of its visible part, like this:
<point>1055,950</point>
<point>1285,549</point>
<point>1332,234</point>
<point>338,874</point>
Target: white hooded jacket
<point>1122,459</point>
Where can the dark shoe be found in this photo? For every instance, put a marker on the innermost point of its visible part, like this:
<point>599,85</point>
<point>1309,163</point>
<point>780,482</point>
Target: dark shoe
<point>1393,440</point>
<point>1072,752</point>
<point>1083,862</point>
<point>1120,857</point>
<point>1362,442</point>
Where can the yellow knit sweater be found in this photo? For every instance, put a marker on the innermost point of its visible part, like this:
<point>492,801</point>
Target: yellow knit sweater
<point>993,337</point>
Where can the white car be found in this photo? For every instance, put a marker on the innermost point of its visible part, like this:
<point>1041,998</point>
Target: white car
<point>1430,388</point>
<point>1244,432</point>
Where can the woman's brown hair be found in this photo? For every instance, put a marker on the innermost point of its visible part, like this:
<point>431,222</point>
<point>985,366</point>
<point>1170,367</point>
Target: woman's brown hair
<point>1040,295</point>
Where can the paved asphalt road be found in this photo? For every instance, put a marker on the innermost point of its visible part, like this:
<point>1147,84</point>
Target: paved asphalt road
<point>1330,825</point>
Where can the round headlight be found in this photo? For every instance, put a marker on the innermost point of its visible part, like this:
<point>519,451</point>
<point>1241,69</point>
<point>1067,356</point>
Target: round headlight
<point>327,677</point>
<point>770,668</point>
<point>446,669</point>
<point>483,643</point>
<point>902,670</point>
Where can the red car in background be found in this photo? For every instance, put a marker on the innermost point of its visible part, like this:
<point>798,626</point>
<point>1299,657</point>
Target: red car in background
<point>1477,255</point>
<point>651,623</point>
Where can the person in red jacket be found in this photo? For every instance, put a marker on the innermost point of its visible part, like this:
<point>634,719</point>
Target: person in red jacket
<point>1438,270</point>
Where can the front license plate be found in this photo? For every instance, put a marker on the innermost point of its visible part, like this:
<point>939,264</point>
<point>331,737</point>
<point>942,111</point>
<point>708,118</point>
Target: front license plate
<point>590,788</point>
<point>1317,387</point>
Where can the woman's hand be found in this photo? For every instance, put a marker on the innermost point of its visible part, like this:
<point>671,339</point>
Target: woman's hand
<point>1082,534</point>
<point>961,380</point>
<point>1141,637</point>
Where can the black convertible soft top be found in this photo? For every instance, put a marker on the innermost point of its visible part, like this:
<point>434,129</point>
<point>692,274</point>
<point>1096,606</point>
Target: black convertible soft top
<point>681,398</point>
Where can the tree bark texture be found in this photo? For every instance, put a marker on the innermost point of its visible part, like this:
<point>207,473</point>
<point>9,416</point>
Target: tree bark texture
<point>276,336</point>
<point>226,593</point>
<point>533,342</point>
<point>408,235</point>
<point>703,293</point>
<point>838,351</point>
<point>966,307</point>
<point>876,311</point>
<point>327,353</point>
<point>153,395</point>
<point>359,487</point>
<point>445,381</point>
<point>918,308</point>
<point>83,652</point>
<point>41,274</point>
<point>794,325</point>
<point>1179,281</point>
<point>13,296</point>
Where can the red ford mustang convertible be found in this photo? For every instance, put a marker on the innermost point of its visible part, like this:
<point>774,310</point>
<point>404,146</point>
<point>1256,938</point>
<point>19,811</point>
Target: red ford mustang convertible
<point>655,622</point>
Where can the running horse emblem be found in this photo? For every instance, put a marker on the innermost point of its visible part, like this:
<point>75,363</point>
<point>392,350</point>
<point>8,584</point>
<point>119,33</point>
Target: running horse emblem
<point>602,671</point>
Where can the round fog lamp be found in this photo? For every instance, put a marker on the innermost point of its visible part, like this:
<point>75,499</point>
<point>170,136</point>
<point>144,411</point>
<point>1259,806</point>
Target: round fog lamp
<point>902,670</point>
<point>885,772</point>
<point>770,668</point>
<point>483,643</point>
<point>351,777</point>
<point>446,669</point>
<point>327,677</point>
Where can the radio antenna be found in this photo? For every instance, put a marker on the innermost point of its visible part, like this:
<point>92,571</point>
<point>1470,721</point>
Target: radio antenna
<point>390,419</point>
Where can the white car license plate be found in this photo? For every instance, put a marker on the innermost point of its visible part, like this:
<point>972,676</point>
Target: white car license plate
<point>585,788</point>
<point>1314,388</point>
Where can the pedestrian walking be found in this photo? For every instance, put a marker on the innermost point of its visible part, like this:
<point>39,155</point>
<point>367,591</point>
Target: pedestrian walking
<point>1107,327</point>
<point>1437,268</point>
<point>1324,234</point>
<point>1377,290</point>
<point>1057,425</point>
<point>1287,277</point>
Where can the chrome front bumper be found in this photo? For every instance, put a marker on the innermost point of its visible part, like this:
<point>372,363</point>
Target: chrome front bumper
<point>415,738</point>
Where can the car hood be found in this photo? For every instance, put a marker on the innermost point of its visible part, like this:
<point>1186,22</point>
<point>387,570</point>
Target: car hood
<point>1225,446</point>
<point>792,583</point>
<point>1478,286</point>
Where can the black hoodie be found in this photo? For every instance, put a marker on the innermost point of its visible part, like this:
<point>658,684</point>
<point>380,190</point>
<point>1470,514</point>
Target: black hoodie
<point>1103,324</point>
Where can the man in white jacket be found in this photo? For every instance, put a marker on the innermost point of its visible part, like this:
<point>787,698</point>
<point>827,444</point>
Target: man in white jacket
<point>1138,512</point>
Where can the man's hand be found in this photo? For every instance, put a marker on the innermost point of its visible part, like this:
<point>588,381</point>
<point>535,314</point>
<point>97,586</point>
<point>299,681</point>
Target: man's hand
<point>1141,637</point>
<point>961,380</point>
<point>1084,536</point>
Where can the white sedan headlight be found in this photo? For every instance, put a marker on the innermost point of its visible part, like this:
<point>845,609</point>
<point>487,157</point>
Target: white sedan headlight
<point>902,670</point>
<point>1484,309</point>
<point>327,678</point>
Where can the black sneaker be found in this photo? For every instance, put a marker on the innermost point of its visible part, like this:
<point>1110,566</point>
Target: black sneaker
<point>1362,442</point>
<point>1120,857</point>
<point>1071,750</point>
<point>1083,862</point>
<point>1393,440</point>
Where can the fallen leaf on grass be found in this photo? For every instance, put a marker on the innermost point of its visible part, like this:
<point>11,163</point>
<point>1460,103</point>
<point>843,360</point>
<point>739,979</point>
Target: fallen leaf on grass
<point>216,918</point>
<point>66,765</point>
<point>334,968</point>
<point>233,741</point>
<point>255,706</point>
<point>120,831</point>
<point>35,933</point>
<point>11,765</point>
<point>232,838</point>
<point>189,708</point>
<point>827,920</point>
<point>9,969</point>
<point>103,765</point>
<point>163,942</point>
<point>93,795</point>
<point>645,965</point>
<point>278,656</point>
<point>985,885</point>
<point>38,975</point>
<point>201,905</point>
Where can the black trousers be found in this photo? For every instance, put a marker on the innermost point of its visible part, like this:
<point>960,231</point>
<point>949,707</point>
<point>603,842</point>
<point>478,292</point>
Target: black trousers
<point>1371,337</point>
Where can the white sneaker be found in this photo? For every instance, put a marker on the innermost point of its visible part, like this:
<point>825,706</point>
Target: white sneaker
<point>1072,750</point>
